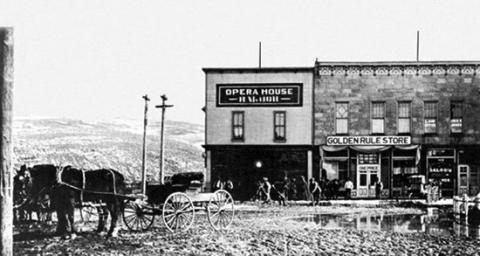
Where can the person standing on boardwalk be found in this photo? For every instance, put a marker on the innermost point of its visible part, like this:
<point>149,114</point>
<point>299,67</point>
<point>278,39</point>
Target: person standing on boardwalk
<point>229,186</point>
<point>314,190</point>
<point>348,189</point>
<point>378,189</point>
<point>266,188</point>
<point>302,188</point>
<point>219,184</point>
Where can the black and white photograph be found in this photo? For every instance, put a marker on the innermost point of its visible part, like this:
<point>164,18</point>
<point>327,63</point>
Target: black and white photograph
<point>225,127</point>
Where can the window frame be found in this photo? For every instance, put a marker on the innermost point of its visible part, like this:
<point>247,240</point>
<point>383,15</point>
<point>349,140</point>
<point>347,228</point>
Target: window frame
<point>372,118</point>
<point>462,105</point>
<point>284,126</point>
<point>242,125</point>
<point>347,118</point>
<point>409,116</point>
<point>425,117</point>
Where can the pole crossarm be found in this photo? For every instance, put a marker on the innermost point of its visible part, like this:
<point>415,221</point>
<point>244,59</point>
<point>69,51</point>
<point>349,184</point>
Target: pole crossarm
<point>163,106</point>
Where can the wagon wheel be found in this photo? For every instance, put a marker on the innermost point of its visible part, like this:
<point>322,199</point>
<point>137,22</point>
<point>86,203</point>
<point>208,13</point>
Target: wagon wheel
<point>137,217</point>
<point>178,212</point>
<point>89,216</point>
<point>220,210</point>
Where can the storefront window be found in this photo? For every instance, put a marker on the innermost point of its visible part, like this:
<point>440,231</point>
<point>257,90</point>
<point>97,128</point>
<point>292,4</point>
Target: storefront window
<point>456,116</point>
<point>341,117</point>
<point>363,179</point>
<point>373,178</point>
<point>335,165</point>
<point>378,117</point>
<point>368,158</point>
<point>463,180</point>
<point>440,167</point>
<point>463,175</point>
<point>430,119</point>
<point>237,125</point>
<point>279,125</point>
<point>404,116</point>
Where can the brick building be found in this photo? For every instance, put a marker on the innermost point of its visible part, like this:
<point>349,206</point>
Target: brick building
<point>258,123</point>
<point>402,123</point>
<point>399,122</point>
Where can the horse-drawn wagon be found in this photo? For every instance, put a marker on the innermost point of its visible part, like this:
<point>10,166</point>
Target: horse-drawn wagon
<point>98,193</point>
<point>177,202</point>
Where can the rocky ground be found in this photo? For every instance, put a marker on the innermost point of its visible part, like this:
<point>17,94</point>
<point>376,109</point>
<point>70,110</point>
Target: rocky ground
<point>256,230</point>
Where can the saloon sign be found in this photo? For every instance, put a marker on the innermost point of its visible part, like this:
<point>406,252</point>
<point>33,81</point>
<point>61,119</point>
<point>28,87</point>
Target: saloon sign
<point>368,140</point>
<point>252,95</point>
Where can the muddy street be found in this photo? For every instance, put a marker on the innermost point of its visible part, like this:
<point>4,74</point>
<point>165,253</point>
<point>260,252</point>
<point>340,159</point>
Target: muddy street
<point>271,230</point>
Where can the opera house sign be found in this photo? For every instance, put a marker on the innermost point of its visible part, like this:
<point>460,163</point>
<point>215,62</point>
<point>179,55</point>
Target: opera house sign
<point>257,95</point>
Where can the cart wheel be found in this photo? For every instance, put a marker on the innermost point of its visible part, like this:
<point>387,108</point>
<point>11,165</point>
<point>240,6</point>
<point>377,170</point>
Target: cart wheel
<point>178,212</point>
<point>220,210</point>
<point>136,217</point>
<point>89,216</point>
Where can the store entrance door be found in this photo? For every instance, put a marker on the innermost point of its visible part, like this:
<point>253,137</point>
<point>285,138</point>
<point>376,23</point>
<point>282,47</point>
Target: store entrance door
<point>368,173</point>
<point>367,176</point>
<point>463,179</point>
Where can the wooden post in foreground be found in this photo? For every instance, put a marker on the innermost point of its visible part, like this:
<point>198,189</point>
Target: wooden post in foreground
<point>144,151</point>
<point>6,168</point>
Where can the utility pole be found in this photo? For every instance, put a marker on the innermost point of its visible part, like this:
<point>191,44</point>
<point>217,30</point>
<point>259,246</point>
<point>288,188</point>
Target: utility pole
<point>162,149</point>
<point>144,152</point>
<point>260,54</point>
<point>6,178</point>
<point>418,45</point>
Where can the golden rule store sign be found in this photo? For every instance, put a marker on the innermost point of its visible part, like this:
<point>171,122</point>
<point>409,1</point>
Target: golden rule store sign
<point>368,140</point>
<point>256,95</point>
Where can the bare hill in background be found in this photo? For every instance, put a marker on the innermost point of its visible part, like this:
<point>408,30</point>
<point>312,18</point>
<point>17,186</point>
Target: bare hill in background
<point>115,144</point>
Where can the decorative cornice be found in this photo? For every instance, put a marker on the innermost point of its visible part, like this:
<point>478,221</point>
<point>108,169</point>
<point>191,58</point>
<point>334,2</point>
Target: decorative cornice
<point>396,68</point>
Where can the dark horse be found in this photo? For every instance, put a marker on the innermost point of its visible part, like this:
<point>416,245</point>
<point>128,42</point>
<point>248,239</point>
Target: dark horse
<point>28,198</point>
<point>69,184</point>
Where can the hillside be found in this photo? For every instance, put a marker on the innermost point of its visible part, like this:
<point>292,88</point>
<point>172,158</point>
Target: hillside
<point>115,144</point>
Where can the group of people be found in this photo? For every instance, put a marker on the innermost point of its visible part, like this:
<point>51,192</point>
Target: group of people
<point>300,189</point>
<point>225,184</point>
<point>294,188</point>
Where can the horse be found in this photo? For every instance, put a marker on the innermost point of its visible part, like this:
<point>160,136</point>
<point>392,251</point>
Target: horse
<point>70,185</point>
<point>101,185</point>
<point>29,198</point>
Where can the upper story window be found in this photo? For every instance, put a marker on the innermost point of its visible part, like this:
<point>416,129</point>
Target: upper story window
<point>279,126</point>
<point>430,116</point>
<point>238,125</point>
<point>456,116</point>
<point>404,116</point>
<point>341,117</point>
<point>378,118</point>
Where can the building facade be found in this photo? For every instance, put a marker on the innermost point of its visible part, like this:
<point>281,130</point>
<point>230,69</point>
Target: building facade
<point>258,124</point>
<point>403,123</point>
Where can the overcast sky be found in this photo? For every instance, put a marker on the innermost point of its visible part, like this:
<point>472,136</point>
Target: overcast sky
<point>95,59</point>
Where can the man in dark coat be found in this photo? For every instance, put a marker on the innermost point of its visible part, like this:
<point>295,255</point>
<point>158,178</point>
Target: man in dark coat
<point>474,213</point>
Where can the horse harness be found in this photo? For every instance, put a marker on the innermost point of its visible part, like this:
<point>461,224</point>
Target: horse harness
<point>83,189</point>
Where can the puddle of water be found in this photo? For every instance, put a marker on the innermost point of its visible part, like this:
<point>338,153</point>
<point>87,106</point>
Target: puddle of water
<point>433,222</point>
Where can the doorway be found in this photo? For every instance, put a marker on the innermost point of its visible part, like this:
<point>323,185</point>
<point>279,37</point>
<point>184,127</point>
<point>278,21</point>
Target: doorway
<point>463,179</point>
<point>368,173</point>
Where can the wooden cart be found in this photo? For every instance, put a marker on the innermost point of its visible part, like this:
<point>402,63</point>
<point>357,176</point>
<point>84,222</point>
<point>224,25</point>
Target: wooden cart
<point>178,210</point>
